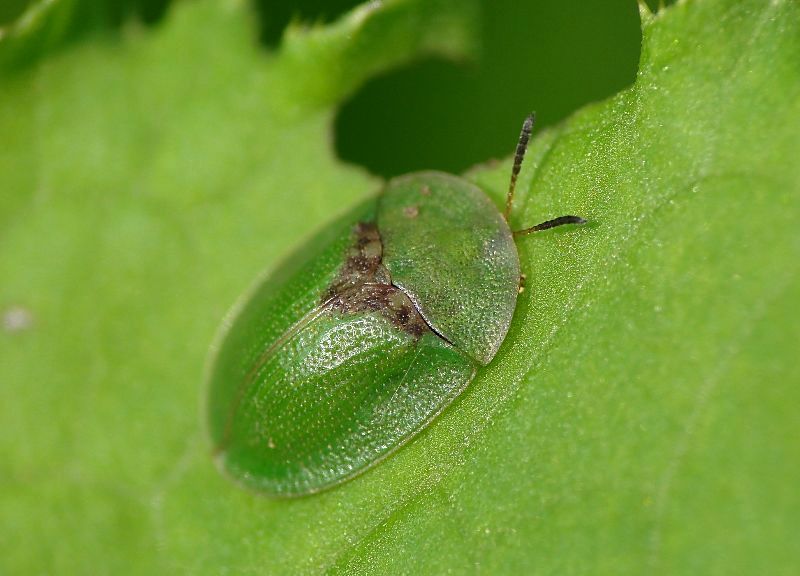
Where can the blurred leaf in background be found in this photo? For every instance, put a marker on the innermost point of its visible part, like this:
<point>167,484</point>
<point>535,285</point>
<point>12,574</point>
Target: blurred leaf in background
<point>641,412</point>
<point>550,56</point>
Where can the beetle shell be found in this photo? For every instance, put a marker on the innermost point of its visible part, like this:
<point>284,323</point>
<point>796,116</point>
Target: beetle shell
<point>362,337</point>
<point>456,258</point>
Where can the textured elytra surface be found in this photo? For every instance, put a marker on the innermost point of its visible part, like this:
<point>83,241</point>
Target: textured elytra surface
<point>447,246</point>
<point>326,368</point>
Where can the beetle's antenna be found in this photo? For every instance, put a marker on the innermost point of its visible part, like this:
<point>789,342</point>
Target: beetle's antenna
<point>519,155</point>
<point>560,221</point>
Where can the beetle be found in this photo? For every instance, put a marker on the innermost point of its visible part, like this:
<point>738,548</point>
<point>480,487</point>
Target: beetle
<point>366,334</point>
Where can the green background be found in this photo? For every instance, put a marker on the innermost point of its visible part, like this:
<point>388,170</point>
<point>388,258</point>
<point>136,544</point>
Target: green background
<point>641,415</point>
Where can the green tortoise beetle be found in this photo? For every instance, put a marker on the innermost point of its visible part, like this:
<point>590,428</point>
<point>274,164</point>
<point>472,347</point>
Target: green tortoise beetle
<point>361,338</point>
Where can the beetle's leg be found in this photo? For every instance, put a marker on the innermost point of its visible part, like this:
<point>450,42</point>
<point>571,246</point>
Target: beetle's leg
<point>560,221</point>
<point>519,155</point>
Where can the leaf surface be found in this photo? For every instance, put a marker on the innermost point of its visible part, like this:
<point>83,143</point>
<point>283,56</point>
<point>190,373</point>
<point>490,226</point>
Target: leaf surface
<point>638,416</point>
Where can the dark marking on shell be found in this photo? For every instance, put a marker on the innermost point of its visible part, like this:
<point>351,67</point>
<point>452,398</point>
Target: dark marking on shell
<point>364,284</point>
<point>425,190</point>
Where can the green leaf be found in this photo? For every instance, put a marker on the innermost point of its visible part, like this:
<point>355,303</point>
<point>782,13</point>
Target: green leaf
<point>640,416</point>
<point>33,29</point>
